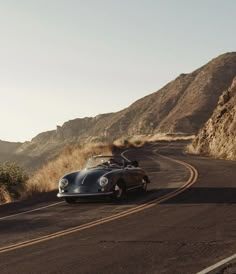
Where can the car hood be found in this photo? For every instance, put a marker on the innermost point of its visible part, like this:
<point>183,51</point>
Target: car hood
<point>86,177</point>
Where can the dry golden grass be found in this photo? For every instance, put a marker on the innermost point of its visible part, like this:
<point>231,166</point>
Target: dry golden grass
<point>168,137</point>
<point>140,140</point>
<point>191,149</point>
<point>71,159</point>
<point>5,196</point>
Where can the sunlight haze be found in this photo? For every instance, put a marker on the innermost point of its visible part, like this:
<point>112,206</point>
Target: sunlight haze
<point>61,60</point>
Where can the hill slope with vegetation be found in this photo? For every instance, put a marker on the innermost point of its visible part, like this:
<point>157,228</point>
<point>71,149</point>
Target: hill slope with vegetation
<point>16,184</point>
<point>217,137</point>
<point>181,107</point>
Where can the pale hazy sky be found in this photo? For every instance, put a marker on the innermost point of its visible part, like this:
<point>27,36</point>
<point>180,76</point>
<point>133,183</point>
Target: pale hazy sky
<point>65,59</point>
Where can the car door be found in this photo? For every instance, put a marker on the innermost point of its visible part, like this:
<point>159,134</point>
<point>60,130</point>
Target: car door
<point>132,176</point>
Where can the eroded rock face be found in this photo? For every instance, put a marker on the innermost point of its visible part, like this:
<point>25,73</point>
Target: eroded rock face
<point>218,137</point>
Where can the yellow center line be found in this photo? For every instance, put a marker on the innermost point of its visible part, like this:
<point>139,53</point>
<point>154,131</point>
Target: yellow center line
<point>191,180</point>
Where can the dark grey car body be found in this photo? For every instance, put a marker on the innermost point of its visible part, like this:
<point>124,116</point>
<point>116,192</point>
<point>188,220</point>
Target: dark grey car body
<point>105,178</point>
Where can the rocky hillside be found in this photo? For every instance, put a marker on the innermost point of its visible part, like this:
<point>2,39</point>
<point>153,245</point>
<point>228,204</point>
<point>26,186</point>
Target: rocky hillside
<point>7,149</point>
<point>218,137</point>
<point>180,107</point>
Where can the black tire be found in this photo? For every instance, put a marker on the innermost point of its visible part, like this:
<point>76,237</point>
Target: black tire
<point>145,182</point>
<point>119,195</point>
<point>70,200</point>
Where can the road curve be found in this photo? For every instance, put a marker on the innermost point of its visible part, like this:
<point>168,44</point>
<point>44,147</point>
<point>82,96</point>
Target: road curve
<point>182,234</point>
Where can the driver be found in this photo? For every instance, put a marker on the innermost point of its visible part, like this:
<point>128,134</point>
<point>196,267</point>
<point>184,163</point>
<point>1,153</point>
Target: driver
<point>113,163</point>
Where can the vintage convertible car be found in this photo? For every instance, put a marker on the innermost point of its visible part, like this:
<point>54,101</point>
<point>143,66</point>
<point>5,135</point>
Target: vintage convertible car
<point>103,176</point>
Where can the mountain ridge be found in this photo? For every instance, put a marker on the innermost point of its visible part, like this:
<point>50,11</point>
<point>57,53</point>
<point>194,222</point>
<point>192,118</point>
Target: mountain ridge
<point>182,106</point>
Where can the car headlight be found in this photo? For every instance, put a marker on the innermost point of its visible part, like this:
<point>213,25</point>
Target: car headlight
<point>103,181</point>
<point>63,183</point>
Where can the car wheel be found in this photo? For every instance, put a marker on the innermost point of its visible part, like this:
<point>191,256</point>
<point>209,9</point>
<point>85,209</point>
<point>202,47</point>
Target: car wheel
<point>119,193</point>
<point>70,200</point>
<point>144,184</point>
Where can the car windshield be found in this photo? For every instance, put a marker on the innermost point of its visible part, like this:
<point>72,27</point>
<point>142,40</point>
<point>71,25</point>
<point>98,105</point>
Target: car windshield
<point>105,161</point>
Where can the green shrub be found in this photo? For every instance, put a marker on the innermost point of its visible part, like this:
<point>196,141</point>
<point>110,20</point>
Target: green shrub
<point>12,178</point>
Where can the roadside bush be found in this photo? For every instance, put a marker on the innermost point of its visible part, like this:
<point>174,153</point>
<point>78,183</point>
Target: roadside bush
<point>4,195</point>
<point>12,180</point>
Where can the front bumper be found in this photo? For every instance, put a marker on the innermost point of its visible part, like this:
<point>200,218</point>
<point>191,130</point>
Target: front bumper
<point>64,195</point>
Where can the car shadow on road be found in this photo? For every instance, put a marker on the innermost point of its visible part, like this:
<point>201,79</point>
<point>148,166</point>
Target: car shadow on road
<point>131,198</point>
<point>189,196</point>
<point>205,195</point>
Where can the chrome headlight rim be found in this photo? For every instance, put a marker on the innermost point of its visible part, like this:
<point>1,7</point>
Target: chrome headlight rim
<point>103,181</point>
<point>63,183</point>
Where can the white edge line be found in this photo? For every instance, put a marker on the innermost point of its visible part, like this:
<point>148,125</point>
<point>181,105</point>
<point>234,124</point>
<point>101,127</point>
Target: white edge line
<point>37,209</point>
<point>29,211</point>
<point>122,214</point>
<point>210,268</point>
<point>220,263</point>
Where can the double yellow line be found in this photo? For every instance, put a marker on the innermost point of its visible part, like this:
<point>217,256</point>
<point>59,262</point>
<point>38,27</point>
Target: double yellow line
<point>192,179</point>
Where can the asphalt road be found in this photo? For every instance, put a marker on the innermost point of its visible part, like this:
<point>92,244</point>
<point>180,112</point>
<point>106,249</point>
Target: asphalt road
<point>184,234</point>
